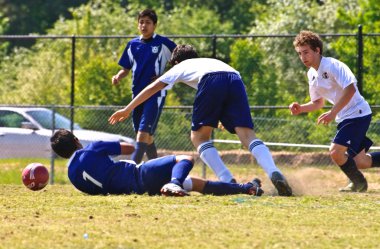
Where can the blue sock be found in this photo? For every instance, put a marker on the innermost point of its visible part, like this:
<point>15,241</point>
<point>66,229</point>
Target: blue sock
<point>151,151</point>
<point>180,171</point>
<point>139,152</point>
<point>375,159</point>
<point>225,188</point>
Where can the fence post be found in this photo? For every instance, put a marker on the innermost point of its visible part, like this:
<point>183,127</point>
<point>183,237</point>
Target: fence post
<point>52,156</point>
<point>360,59</point>
<point>214,46</point>
<point>72,96</point>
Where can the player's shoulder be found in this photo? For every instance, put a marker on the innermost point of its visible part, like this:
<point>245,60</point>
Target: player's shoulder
<point>333,65</point>
<point>163,39</point>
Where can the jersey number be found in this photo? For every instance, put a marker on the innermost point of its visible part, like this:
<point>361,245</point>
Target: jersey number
<point>86,177</point>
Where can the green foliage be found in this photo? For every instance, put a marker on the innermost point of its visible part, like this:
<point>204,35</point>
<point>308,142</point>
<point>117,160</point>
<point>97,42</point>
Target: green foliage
<point>260,81</point>
<point>366,12</point>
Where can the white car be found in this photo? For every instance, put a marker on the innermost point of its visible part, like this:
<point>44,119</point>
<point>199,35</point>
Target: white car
<point>26,132</point>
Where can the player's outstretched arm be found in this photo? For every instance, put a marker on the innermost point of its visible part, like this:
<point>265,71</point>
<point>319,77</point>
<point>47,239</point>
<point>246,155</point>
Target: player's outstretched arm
<point>145,94</point>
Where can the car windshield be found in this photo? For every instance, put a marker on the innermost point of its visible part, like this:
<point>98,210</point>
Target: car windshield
<point>44,118</point>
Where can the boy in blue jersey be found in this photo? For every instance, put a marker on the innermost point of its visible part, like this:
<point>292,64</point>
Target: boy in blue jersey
<point>146,57</point>
<point>220,96</point>
<point>332,80</point>
<point>92,171</point>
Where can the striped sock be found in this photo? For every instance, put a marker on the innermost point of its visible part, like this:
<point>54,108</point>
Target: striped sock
<point>263,156</point>
<point>210,156</point>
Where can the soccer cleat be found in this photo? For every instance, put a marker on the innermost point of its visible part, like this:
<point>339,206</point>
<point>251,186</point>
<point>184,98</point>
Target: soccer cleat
<point>351,187</point>
<point>233,180</point>
<point>255,188</point>
<point>281,184</point>
<point>171,189</point>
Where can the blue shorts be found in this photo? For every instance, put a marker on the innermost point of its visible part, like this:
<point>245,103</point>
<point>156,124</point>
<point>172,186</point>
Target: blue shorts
<point>145,116</point>
<point>155,173</point>
<point>351,133</point>
<point>221,96</point>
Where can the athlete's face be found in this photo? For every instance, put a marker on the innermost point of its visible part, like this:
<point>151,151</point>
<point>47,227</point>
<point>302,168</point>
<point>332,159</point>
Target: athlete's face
<point>146,27</point>
<point>308,56</point>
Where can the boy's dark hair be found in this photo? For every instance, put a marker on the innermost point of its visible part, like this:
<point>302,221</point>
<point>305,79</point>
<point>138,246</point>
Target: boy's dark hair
<point>64,143</point>
<point>306,37</point>
<point>183,52</point>
<point>149,13</point>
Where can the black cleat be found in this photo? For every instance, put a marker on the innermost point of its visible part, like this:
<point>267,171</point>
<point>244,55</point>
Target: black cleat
<point>233,180</point>
<point>255,188</point>
<point>351,187</point>
<point>281,184</point>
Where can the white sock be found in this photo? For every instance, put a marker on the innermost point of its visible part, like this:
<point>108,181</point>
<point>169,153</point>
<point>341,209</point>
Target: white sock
<point>263,156</point>
<point>210,156</point>
<point>188,184</point>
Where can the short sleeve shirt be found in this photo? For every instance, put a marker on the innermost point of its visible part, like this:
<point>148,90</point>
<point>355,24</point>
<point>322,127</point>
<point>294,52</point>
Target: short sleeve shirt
<point>92,170</point>
<point>146,59</point>
<point>191,71</point>
<point>329,81</point>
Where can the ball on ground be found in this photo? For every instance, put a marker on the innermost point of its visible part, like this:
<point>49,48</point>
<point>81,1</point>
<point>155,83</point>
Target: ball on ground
<point>35,176</point>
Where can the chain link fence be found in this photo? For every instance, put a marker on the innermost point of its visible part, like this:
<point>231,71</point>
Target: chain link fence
<point>69,72</point>
<point>293,140</point>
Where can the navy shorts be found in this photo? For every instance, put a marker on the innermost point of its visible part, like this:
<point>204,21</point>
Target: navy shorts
<point>145,116</point>
<point>221,96</point>
<point>156,173</point>
<point>351,133</point>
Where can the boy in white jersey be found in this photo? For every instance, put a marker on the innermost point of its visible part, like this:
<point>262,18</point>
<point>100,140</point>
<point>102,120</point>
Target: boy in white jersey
<point>332,80</point>
<point>220,96</point>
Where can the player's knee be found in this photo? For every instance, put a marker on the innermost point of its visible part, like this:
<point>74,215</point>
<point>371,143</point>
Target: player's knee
<point>338,156</point>
<point>185,157</point>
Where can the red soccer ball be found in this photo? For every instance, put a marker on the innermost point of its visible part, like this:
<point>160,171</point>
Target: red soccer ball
<point>35,176</point>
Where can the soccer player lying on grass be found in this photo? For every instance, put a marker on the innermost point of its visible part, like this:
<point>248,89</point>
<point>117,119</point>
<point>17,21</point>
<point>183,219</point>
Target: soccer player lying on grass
<point>220,96</point>
<point>92,171</point>
<point>332,80</point>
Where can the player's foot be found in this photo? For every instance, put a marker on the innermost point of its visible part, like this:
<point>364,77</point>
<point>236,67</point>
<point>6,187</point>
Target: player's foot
<point>281,184</point>
<point>171,189</point>
<point>255,188</point>
<point>351,187</point>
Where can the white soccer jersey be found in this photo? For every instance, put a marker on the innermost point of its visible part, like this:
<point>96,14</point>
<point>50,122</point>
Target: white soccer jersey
<point>191,71</point>
<point>329,81</point>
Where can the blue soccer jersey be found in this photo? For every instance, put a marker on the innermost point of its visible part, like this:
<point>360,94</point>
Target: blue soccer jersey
<point>91,170</point>
<point>146,59</point>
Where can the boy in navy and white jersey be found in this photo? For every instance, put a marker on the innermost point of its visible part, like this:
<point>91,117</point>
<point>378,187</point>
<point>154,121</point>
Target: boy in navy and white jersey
<point>92,171</point>
<point>332,80</point>
<point>146,57</point>
<point>220,96</point>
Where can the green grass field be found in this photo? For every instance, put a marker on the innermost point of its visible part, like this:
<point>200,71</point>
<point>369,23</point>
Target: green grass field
<point>318,216</point>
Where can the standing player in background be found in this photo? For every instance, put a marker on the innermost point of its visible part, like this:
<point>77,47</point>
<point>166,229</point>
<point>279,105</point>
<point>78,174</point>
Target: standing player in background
<point>332,80</point>
<point>220,96</point>
<point>92,171</point>
<point>146,57</point>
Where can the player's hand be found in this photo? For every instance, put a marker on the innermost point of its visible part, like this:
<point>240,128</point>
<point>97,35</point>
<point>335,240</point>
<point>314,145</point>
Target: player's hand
<point>115,80</point>
<point>326,118</point>
<point>119,116</point>
<point>295,108</point>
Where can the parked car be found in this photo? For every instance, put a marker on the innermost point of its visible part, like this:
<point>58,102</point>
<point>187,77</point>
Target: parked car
<point>26,132</point>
